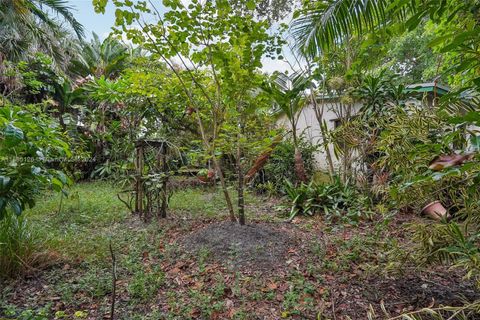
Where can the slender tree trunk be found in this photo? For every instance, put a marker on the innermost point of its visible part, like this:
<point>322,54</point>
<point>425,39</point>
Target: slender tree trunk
<point>347,152</point>
<point>163,193</point>
<point>298,159</point>
<point>323,131</point>
<point>226,194</point>
<point>218,168</point>
<point>345,165</point>
<point>323,128</point>
<point>241,199</point>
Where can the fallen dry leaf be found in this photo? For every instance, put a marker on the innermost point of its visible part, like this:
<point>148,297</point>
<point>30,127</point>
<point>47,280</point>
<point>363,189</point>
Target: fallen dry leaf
<point>272,285</point>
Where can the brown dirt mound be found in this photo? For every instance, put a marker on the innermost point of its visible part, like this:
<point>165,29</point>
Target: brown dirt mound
<point>258,246</point>
<point>403,293</point>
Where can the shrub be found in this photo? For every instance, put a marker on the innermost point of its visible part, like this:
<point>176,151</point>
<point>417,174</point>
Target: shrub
<point>281,164</point>
<point>335,200</point>
<point>29,140</point>
<point>17,245</point>
<point>408,144</point>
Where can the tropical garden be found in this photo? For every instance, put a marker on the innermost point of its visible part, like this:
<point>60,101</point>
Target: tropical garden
<point>240,159</point>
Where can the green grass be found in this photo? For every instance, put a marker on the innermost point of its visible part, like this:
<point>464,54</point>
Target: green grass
<point>81,225</point>
<point>66,223</point>
<point>197,202</point>
<point>209,203</point>
<point>18,243</point>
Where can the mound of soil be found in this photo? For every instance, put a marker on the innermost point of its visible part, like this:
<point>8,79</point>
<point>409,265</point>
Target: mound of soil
<point>257,246</point>
<point>404,293</point>
<point>445,288</point>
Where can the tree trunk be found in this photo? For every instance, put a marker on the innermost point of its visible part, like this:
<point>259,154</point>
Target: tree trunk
<point>298,159</point>
<point>226,194</point>
<point>300,166</point>
<point>164,192</point>
<point>326,147</point>
<point>216,164</point>
<point>323,127</point>
<point>241,200</point>
<point>323,131</point>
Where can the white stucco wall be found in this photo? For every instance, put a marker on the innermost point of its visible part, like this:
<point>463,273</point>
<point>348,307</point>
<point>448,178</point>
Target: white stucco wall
<point>308,125</point>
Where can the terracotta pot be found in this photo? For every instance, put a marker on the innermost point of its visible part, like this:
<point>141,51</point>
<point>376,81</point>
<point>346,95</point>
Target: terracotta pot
<point>435,210</point>
<point>203,179</point>
<point>209,177</point>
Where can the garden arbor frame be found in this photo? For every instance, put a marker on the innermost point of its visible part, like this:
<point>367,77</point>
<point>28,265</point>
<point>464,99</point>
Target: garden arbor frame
<point>151,178</point>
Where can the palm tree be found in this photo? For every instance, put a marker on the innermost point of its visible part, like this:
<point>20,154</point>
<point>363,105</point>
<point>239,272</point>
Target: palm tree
<point>32,25</point>
<point>103,58</point>
<point>286,93</point>
<point>323,24</point>
<point>326,23</point>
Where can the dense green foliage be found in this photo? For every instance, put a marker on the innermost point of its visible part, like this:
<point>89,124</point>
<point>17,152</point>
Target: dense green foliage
<point>28,142</point>
<point>335,201</point>
<point>30,26</point>
<point>279,167</point>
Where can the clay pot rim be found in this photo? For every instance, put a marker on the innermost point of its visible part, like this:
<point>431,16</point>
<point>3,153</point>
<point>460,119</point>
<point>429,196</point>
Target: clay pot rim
<point>430,204</point>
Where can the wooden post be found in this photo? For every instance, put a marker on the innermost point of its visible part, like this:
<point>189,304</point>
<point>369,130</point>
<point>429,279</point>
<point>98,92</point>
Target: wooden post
<point>158,193</point>
<point>163,209</point>
<point>139,181</point>
<point>151,201</point>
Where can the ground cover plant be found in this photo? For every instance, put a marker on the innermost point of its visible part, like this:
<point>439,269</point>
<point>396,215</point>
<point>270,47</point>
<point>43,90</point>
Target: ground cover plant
<point>188,267</point>
<point>239,159</point>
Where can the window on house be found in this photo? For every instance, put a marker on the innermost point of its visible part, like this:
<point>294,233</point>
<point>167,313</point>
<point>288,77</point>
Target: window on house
<point>336,123</point>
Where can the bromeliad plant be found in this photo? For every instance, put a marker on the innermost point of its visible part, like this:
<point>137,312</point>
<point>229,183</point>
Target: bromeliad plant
<point>335,201</point>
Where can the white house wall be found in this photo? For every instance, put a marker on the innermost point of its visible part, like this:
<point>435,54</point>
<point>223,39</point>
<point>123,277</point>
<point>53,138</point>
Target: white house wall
<point>309,127</point>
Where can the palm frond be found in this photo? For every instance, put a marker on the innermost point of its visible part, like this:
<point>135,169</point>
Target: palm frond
<point>99,57</point>
<point>286,93</point>
<point>30,25</point>
<point>61,7</point>
<point>325,24</point>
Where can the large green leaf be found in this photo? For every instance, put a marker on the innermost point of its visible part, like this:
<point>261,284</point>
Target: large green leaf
<point>16,206</point>
<point>4,182</point>
<point>13,132</point>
